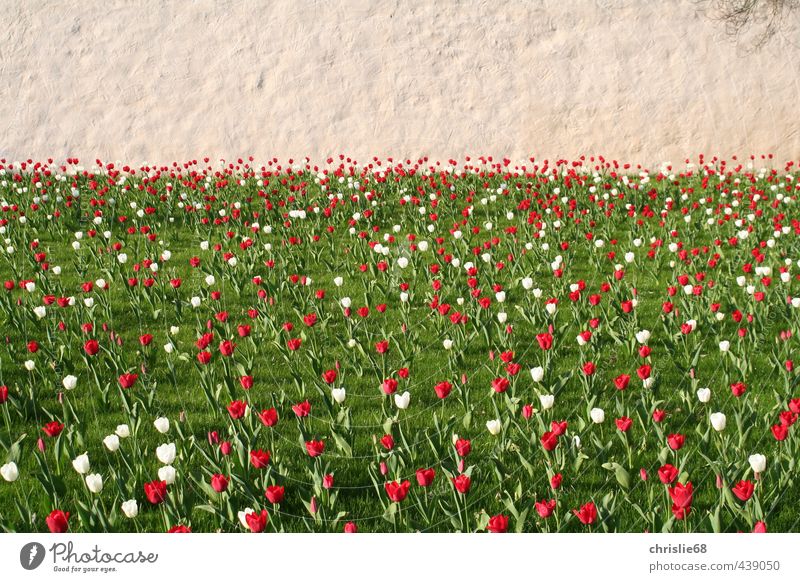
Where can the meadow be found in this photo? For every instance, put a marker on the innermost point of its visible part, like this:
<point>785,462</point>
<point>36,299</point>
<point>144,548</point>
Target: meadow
<point>399,346</point>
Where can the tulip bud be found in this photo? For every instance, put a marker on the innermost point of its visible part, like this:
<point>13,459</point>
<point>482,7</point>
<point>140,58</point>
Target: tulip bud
<point>718,421</point>
<point>162,424</point>
<point>758,463</point>
<point>494,427</point>
<point>130,508</point>
<point>81,464</point>
<point>9,472</point>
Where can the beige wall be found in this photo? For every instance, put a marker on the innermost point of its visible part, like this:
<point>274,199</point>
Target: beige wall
<point>638,80</point>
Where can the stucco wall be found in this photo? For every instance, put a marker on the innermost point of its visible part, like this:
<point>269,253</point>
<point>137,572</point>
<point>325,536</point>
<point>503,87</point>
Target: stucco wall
<point>159,81</point>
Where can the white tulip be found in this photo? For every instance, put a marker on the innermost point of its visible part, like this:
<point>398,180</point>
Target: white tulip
<point>339,394</point>
<point>346,302</point>
<point>166,453</point>
<point>402,262</point>
<point>547,401</point>
<point>447,344</point>
<point>704,395</point>
<point>758,463</point>
<point>338,281</point>
<point>167,473</point>
<point>30,365</point>
<point>10,472</point>
<point>94,482</point>
<point>69,382</point>
<point>40,311</point>
<point>527,283</point>
<point>643,336</point>
<point>123,431</point>
<point>195,301</point>
<point>162,425</point>
<point>130,508</point>
<point>724,346</point>
<point>111,442</point>
<point>502,317</point>
<point>210,280</point>
<point>537,373</point>
<point>402,400</point>
<point>718,421</point>
<point>81,463</point>
<point>494,427</point>
<point>598,415</point>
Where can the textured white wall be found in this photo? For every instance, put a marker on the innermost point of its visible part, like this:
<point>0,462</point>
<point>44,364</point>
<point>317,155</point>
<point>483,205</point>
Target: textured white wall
<point>162,81</point>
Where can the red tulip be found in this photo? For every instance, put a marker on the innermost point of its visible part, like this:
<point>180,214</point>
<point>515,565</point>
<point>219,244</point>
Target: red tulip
<point>315,448</point>
<point>681,495</point>
<point>743,490</point>
<point>259,459</point>
<point>91,347</point>
<point>587,514</point>
<point>274,494</point>
<point>387,441</point>
<point>53,429</point>
<point>425,477</point>
<point>155,491</point>
<point>549,440</point>
<point>303,409</point>
<point>462,483</point>
<point>257,522</point>
<point>624,423</point>
<point>236,409</point>
<point>219,483</point>
<point>780,431</point>
<point>463,447</point>
<point>545,508</point>
<point>226,348</point>
<point>268,417</point>
<point>498,524</point>
<point>397,491</point>
<point>667,474</point>
<point>675,441</point>
<point>545,341</point>
<point>621,381</point>
<point>128,380</point>
<point>57,521</point>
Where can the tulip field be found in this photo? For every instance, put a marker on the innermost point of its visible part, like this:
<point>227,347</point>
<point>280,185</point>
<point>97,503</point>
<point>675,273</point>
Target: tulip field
<point>393,345</point>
